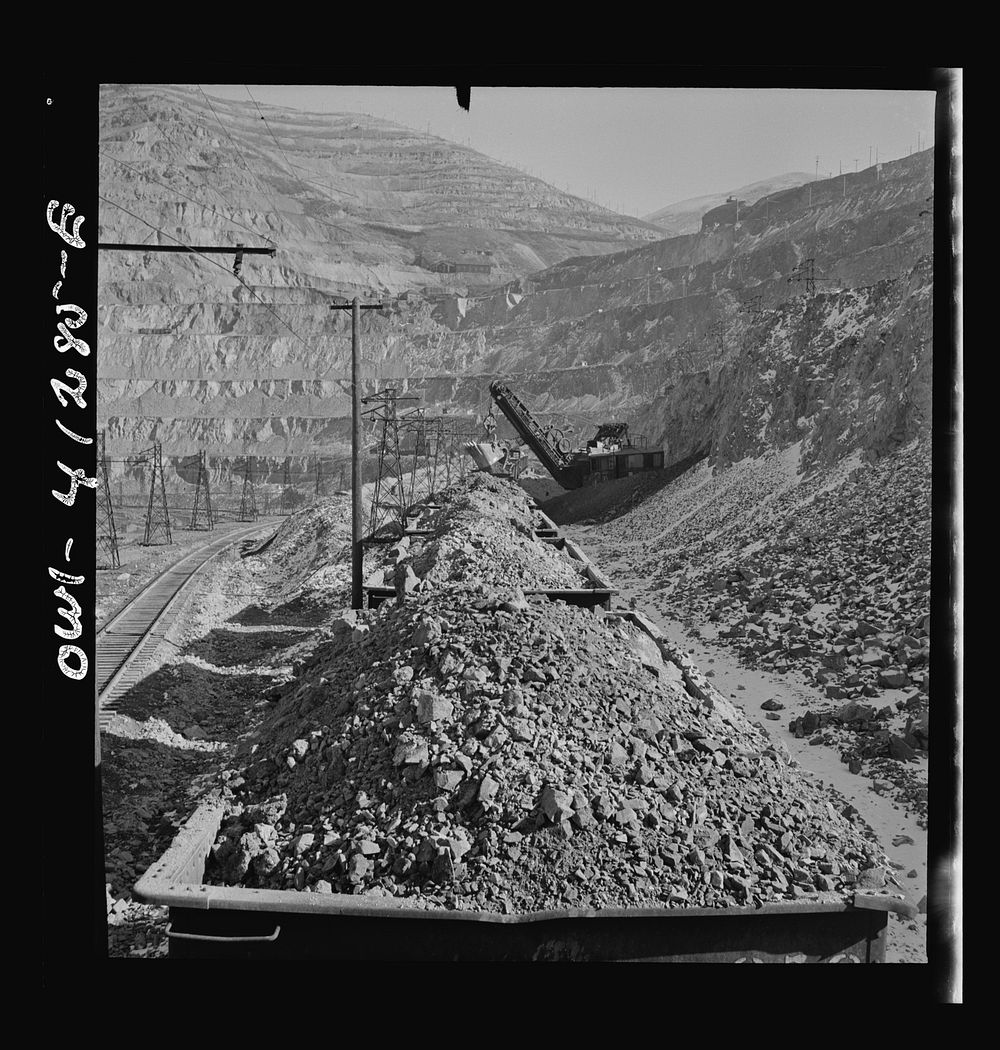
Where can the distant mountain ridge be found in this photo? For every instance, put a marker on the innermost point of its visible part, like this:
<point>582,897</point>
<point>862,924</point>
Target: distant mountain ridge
<point>685,216</point>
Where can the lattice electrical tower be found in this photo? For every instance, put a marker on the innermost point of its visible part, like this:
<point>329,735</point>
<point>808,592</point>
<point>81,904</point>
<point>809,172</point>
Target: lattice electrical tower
<point>157,511</point>
<point>441,469</point>
<point>107,535</point>
<point>388,497</point>
<point>202,519</point>
<point>806,273</point>
<point>248,500</point>
<point>421,485</point>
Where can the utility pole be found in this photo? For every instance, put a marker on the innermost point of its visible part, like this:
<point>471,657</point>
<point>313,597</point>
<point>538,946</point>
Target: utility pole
<point>357,551</point>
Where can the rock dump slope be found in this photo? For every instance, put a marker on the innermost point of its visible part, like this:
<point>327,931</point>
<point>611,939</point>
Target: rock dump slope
<point>464,746</point>
<point>825,573</point>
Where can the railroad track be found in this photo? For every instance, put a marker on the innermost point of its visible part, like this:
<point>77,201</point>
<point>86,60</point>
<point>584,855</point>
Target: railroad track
<point>129,640</point>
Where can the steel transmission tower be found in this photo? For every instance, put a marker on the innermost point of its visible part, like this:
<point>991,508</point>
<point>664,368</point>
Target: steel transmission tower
<point>201,513</point>
<point>388,498</point>
<point>248,499</point>
<point>286,487</point>
<point>157,511</point>
<point>805,273</point>
<point>420,481</point>
<point>107,535</point>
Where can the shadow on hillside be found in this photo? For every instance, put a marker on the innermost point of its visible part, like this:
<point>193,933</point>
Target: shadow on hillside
<point>184,695</point>
<point>300,612</point>
<point>232,648</point>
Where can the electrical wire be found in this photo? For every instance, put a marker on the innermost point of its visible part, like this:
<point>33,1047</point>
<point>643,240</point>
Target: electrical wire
<point>181,193</point>
<point>220,266</point>
<point>184,164</point>
<point>329,197</point>
<point>315,182</point>
<point>246,164</point>
<point>268,126</point>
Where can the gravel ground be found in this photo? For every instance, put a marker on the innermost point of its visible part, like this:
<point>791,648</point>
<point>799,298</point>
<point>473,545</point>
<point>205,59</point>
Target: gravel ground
<point>826,576</point>
<point>116,587</point>
<point>166,744</point>
<point>841,560</point>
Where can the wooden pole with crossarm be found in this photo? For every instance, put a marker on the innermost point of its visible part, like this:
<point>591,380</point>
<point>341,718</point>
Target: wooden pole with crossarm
<point>357,549</point>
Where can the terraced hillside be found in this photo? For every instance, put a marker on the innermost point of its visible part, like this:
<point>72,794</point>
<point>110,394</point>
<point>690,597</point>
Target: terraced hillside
<point>693,339</point>
<point>351,201</point>
<point>354,205</point>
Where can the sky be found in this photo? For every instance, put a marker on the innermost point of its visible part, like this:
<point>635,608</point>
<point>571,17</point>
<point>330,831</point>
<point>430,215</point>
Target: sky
<point>636,150</point>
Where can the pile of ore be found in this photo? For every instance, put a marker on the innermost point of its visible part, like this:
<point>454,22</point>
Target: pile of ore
<point>309,556</point>
<point>465,747</point>
<point>484,536</point>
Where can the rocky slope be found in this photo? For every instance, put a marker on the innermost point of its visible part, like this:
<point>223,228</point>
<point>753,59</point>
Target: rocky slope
<point>669,336</point>
<point>685,216</point>
<point>192,358</point>
<point>350,201</point>
<point>703,341</point>
<point>821,575</point>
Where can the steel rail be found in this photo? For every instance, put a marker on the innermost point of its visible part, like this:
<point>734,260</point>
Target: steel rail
<point>129,640</point>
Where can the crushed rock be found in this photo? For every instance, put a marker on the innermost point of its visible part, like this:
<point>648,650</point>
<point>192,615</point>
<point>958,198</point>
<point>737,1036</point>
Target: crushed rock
<point>829,576</point>
<point>465,747</point>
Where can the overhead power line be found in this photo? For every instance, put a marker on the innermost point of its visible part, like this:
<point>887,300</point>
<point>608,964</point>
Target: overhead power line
<point>225,269</point>
<point>268,126</point>
<point>236,146</point>
<point>186,165</point>
<point>187,196</point>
